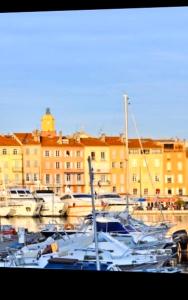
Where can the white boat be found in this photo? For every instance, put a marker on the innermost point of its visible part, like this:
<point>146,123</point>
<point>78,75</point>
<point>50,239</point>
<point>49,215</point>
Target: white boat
<point>112,202</point>
<point>52,206</point>
<point>37,255</point>
<point>80,204</point>
<point>20,203</point>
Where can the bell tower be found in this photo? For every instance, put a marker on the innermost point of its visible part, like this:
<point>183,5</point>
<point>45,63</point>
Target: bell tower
<point>48,124</point>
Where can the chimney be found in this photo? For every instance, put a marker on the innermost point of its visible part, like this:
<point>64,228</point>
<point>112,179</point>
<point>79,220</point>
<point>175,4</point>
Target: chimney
<point>59,141</point>
<point>36,135</point>
<point>102,137</point>
<point>77,137</point>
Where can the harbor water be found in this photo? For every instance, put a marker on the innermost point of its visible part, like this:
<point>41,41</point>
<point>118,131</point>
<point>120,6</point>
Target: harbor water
<point>36,224</point>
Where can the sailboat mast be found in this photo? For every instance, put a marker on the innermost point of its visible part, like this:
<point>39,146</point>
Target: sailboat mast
<point>126,150</point>
<point>93,213</point>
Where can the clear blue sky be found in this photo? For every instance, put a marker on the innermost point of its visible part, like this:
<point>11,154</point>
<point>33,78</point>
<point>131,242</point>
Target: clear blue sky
<point>80,63</point>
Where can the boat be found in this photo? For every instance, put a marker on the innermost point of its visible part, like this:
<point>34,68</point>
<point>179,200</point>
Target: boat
<point>52,206</point>
<point>21,203</point>
<point>80,204</point>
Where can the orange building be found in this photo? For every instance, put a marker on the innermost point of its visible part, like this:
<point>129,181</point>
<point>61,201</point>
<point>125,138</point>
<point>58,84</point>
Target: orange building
<point>62,164</point>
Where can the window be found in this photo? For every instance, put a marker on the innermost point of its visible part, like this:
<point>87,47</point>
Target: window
<point>169,192</point>
<point>46,153</point>
<point>102,155</point>
<point>114,189</point>
<point>57,153</point>
<point>103,178</point>
<point>78,165</point>
<point>157,163</point>
<point>92,155</point>
<point>27,163</point>
<point>78,153</point>
<point>168,166</point>
<point>135,191</point>
<point>169,179</point>
<point>145,151</point>
<point>67,165</point>
<point>57,164</point>
<point>57,179</point>
<point>121,164</point>
<point>67,153</point>
<point>157,191</point>
<point>180,178</point>
<point>78,177</point>
<point>180,192</point>
<point>113,164</point>
<point>134,178</point>
<point>4,152</point>
<point>145,191</point>
<point>27,151</point>
<point>179,165</point>
<point>35,177</point>
<point>134,163</point>
<point>27,177</point>
<point>47,178</point>
<point>35,151</point>
<point>156,178</point>
<point>35,163</point>
<point>133,151</point>
<point>155,151</point>
<point>68,177</point>
<point>15,151</point>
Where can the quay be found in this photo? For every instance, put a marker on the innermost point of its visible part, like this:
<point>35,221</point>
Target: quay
<point>158,212</point>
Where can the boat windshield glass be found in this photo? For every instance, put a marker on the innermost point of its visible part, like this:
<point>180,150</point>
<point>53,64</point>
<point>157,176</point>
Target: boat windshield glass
<point>82,196</point>
<point>108,196</point>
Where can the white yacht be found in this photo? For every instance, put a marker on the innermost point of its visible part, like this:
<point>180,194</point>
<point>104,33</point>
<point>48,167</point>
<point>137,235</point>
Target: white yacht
<point>80,204</point>
<point>112,202</point>
<point>21,203</point>
<point>52,206</point>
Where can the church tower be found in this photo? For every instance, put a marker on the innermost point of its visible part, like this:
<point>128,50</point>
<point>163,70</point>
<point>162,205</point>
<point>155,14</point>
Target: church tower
<point>48,124</point>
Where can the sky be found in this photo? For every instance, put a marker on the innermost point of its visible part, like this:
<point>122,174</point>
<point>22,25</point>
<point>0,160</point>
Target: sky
<point>81,63</point>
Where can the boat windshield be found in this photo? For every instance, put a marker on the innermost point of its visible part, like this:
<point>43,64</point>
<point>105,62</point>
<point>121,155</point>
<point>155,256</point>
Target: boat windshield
<point>81,195</point>
<point>108,196</point>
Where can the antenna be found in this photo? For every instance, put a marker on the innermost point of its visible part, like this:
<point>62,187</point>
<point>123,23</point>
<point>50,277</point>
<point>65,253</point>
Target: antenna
<point>126,102</point>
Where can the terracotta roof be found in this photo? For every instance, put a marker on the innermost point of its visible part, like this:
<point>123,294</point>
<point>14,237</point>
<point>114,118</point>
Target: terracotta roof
<point>26,138</point>
<point>8,140</point>
<point>145,144</point>
<point>114,140</point>
<point>93,142</point>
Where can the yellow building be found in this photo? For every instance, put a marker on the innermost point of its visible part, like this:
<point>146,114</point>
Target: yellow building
<point>116,146</point>
<point>31,149</point>
<point>11,173</point>
<point>98,150</point>
<point>145,168</point>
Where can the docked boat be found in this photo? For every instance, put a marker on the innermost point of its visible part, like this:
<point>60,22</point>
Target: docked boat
<point>80,204</point>
<point>20,203</point>
<point>52,206</point>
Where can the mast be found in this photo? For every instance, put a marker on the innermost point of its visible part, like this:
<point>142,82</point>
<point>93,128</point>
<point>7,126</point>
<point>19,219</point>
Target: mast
<point>93,213</point>
<point>126,150</point>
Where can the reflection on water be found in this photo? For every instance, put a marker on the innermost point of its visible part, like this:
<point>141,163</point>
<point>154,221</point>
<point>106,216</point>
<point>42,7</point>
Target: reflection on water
<point>35,224</point>
<point>180,222</point>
